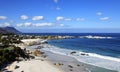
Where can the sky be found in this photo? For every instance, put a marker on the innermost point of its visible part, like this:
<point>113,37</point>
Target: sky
<point>61,15</point>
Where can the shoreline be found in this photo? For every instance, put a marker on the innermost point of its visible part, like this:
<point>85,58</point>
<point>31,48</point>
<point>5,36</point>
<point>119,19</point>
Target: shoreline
<point>94,61</point>
<point>70,60</point>
<point>59,63</point>
<point>83,58</point>
<point>40,63</point>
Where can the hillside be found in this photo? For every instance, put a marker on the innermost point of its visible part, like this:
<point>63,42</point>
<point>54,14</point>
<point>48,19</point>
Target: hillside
<point>8,30</point>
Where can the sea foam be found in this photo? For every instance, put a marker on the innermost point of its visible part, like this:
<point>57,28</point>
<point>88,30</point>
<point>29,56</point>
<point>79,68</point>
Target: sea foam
<point>89,58</point>
<point>95,37</point>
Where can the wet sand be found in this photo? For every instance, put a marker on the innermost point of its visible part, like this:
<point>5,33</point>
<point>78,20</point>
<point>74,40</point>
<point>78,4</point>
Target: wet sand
<point>76,65</point>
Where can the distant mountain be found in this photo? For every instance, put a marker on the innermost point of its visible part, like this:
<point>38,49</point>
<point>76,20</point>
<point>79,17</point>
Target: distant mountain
<point>8,30</point>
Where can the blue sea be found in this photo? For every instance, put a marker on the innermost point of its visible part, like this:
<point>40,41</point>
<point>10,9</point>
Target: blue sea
<point>107,47</point>
<point>103,51</point>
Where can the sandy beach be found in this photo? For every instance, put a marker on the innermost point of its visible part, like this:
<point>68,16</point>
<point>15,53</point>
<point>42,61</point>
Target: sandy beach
<point>36,65</point>
<point>39,64</point>
<point>52,63</point>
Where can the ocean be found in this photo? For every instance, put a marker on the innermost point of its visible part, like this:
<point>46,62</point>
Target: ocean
<point>108,47</point>
<point>103,49</point>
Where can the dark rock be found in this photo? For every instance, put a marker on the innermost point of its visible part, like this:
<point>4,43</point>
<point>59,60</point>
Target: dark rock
<point>73,52</point>
<point>83,54</point>
<point>78,65</point>
<point>70,66</point>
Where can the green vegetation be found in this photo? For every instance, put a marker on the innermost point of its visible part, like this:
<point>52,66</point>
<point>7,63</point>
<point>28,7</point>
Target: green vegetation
<point>9,52</point>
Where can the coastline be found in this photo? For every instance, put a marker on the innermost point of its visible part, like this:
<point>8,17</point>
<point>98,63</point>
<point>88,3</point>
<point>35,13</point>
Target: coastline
<point>86,59</point>
<point>83,58</point>
<point>56,62</point>
<point>37,64</point>
<point>77,65</point>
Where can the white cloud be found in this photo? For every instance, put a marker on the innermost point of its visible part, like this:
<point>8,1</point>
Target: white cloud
<point>99,13</point>
<point>27,24</point>
<point>43,24</point>
<point>20,25</point>
<point>59,18</point>
<point>5,24</point>
<point>104,18</point>
<point>61,25</point>
<point>67,19</point>
<point>3,17</point>
<point>56,1</point>
<point>80,19</point>
<point>38,18</point>
<point>24,17</point>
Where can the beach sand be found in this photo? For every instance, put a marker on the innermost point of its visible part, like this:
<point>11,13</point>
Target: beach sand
<point>53,63</point>
<point>34,65</point>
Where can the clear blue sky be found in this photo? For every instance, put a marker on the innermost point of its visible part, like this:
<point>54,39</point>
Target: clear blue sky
<point>61,15</point>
